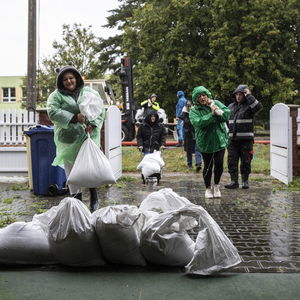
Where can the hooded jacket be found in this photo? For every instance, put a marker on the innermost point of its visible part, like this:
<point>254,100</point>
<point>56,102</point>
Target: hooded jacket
<point>151,135</point>
<point>180,103</point>
<point>210,130</point>
<point>242,115</point>
<point>62,107</point>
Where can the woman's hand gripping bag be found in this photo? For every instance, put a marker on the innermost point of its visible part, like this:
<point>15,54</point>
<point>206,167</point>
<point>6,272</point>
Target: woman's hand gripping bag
<point>72,237</point>
<point>91,167</point>
<point>119,229</point>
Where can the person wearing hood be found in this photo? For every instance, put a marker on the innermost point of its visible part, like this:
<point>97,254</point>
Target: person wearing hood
<point>150,104</point>
<point>70,126</point>
<point>179,106</point>
<point>241,135</point>
<point>190,145</point>
<point>209,118</point>
<point>151,134</point>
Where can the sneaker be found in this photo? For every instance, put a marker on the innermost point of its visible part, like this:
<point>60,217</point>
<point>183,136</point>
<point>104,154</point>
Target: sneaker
<point>209,193</point>
<point>217,192</point>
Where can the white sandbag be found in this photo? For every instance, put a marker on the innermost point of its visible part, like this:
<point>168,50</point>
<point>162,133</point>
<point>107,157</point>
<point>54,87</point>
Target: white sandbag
<point>163,244</point>
<point>166,200</point>
<point>162,201</point>
<point>25,243</point>
<point>72,237</point>
<point>151,164</point>
<point>118,229</point>
<point>91,167</point>
<point>45,218</point>
<point>91,106</point>
<point>213,250</point>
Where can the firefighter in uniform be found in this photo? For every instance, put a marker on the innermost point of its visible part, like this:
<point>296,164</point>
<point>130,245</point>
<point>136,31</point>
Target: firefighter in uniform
<point>241,135</point>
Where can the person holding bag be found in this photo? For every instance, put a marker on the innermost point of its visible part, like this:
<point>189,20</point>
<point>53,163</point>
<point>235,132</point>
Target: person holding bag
<point>71,126</point>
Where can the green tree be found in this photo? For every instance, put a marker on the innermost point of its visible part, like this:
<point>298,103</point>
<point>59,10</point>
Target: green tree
<point>254,42</point>
<point>77,47</point>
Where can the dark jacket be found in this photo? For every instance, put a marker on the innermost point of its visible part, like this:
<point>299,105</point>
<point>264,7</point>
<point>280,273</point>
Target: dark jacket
<point>240,123</point>
<point>189,133</point>
<point>151,135</point>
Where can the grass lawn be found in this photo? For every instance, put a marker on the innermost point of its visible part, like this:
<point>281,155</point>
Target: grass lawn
<point>175,159</point>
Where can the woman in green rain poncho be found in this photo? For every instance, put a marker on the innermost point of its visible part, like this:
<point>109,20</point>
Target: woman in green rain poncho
<point>70,126</point>
<point>209,119</point>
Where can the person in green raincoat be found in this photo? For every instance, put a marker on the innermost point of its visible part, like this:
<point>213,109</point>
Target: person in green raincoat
<point>70,126</point>
<point>209,119</point>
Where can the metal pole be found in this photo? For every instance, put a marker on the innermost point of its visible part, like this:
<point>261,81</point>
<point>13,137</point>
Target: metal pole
<point>31,59</point>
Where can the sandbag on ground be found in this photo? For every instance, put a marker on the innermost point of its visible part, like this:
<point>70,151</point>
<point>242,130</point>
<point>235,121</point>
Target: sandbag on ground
<point>25,243</point>
<point>72,237</point>
<point>164,242</point>
<point>213,249</point>
<point>118,229</point>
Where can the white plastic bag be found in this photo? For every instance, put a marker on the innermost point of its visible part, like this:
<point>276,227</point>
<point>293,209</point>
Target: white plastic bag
<point>91,106</point>
<point>164,244</point>
<point>151,164</point>
<point>25,243</point>
<point>213,250</point>
<point>72,237</point>
<point>118,229</point>
<point>91,167</point>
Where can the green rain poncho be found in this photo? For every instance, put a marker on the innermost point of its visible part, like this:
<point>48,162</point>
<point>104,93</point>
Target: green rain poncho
<point>210,130</point>
<point>61,107</point>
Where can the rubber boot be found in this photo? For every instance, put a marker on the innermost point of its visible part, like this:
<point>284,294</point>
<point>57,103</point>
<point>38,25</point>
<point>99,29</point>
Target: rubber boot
<point>234,184</point>
<point>245,182</point>
<point>77,196</point>
<point>94,204</point>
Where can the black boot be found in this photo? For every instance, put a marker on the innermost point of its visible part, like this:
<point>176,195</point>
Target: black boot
<point>93,200</point>
<point>77,196</point>
<point>245,184</point>
<point>234,184</point>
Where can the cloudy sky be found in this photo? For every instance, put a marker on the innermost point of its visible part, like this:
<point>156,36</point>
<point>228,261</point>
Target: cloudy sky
<point>52,14</point>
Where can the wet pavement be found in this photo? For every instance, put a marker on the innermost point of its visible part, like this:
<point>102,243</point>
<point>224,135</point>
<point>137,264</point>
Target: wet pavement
<point>262,222</point>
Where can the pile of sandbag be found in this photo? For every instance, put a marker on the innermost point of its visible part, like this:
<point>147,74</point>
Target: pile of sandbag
<point>151,164</point>
<point>158,232</point>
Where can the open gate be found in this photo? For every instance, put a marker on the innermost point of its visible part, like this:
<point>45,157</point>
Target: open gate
<point>281,143</point>
<point>112,137</point>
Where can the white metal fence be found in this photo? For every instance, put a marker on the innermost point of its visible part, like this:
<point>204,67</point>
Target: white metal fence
<point>12,124</point>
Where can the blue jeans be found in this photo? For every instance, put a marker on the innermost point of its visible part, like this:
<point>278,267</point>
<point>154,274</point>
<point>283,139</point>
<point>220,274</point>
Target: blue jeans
<point>180,130</point>
<point>198,157</point>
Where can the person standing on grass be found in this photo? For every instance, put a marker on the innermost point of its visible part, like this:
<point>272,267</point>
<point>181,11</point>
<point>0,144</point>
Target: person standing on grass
<point>209,119</point>
<point>190,145</point>
<point>179,106</point>
<point>241,135</point>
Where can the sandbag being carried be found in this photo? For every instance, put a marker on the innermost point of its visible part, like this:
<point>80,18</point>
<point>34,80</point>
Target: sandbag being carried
<point>118,229</point>
<point>25,243</point>
<point>91,167</point>
<point>151,164</point>
<point>91,106</point>
<point>72,237</point>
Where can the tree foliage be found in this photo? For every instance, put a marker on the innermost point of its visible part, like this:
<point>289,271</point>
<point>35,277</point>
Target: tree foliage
<point>78,47</point>
<point>179,44</point>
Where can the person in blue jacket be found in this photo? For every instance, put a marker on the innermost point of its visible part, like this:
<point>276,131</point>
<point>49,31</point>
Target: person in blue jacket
<point>179,106</point>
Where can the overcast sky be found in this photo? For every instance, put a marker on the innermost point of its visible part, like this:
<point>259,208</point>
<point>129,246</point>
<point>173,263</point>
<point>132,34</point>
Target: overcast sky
<point>52,14</point>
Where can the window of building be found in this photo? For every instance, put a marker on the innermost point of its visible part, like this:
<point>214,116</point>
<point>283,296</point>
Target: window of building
<point>9,94</point>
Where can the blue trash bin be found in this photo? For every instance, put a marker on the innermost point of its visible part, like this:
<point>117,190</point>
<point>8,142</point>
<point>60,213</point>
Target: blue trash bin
<point>46,179</point>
